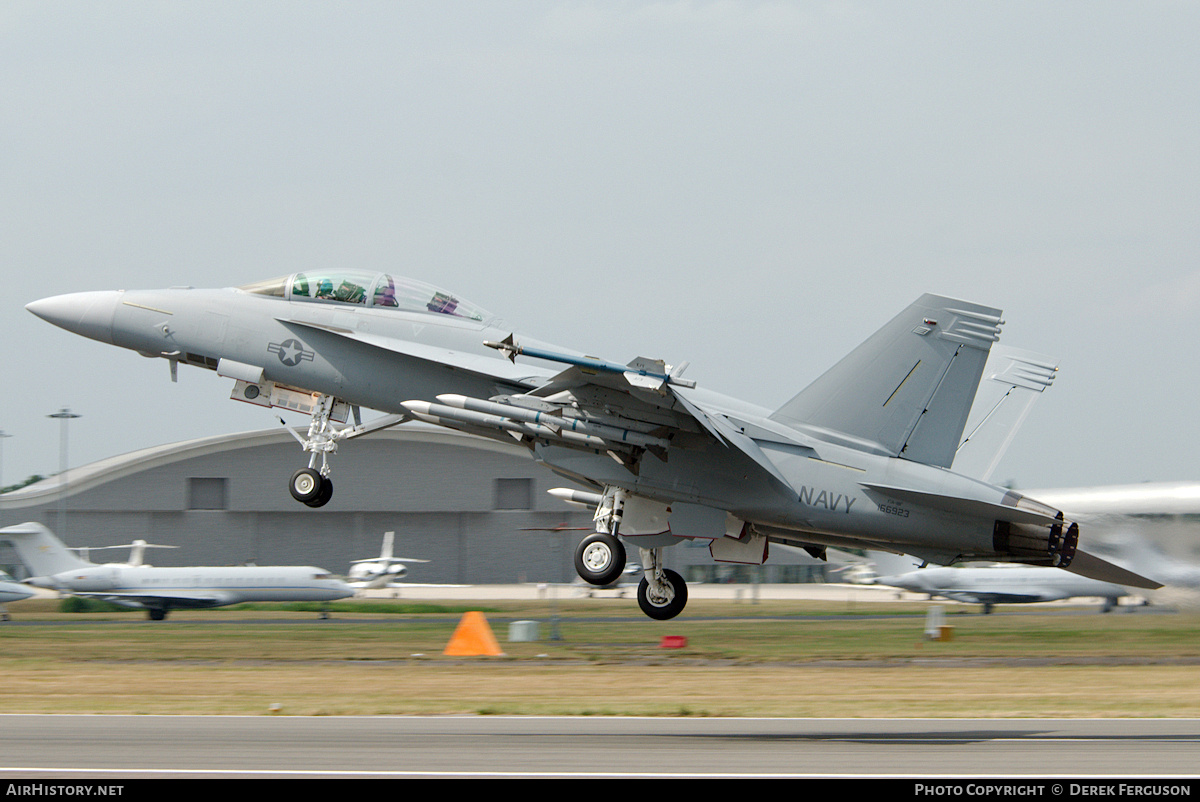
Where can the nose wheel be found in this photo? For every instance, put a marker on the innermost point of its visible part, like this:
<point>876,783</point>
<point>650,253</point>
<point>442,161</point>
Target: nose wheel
<point>310,487</point>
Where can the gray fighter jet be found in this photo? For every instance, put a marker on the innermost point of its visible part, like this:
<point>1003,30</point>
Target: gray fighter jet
<point>860,458</point>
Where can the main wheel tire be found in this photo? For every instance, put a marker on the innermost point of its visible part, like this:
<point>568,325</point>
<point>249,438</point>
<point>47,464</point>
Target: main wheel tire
<point>305,485</point>
<point>324,495</point>
<point>663,610</point>
<point>600,559</point>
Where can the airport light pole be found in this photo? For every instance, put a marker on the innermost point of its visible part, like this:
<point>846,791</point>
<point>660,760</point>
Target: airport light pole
<point>64,416</point>
<point>3,435</point>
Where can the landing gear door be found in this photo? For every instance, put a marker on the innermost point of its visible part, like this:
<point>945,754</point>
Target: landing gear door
<point>269,394</point>
<point>750,549</point>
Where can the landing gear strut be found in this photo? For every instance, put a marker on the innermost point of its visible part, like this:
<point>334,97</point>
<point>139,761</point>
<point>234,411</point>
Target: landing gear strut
<point>600,557</point>
<point>312,485</point>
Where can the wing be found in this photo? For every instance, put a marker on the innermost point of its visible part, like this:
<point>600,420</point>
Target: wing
<point>133,598</point>
<point>985,597</point>
<point>906,391</point>
<point>389,560</point>
<point>625,411</point>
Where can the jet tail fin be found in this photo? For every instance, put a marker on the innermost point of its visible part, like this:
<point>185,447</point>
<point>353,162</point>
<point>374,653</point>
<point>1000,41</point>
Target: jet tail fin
<point>909,387</point>
<point>1012,381</point>
<point>42,553</point>
<point>385,553</point>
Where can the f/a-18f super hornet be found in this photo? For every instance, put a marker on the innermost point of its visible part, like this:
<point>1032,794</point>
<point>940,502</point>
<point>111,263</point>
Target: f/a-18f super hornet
<point>860,458</point>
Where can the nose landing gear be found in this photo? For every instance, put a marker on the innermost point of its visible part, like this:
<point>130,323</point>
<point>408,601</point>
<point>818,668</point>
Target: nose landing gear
<point>310,487</point>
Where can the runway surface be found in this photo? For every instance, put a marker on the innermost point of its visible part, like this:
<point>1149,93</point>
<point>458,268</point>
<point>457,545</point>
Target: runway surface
<point>113,747</point>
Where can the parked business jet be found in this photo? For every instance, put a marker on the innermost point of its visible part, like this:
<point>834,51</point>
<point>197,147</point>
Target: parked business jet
<point>382,571</point>
<point>158,590</point>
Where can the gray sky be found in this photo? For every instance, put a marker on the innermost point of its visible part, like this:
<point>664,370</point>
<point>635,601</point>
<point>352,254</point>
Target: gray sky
<point>751,186</point>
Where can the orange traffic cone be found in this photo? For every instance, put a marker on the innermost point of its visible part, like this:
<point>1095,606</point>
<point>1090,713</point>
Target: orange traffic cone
<point>472,637</point>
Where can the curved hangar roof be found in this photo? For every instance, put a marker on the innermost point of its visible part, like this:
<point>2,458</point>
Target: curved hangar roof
<point>105,471</point>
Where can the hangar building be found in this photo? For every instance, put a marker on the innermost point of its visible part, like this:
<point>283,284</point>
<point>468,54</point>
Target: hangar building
<point>476,508</point>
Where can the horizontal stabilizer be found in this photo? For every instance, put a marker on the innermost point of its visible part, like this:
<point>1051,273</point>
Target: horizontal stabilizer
<point>1093,567</point>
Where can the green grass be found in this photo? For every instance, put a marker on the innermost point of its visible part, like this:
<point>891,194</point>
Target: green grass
<point>786,658</point>
<point>383,607</point>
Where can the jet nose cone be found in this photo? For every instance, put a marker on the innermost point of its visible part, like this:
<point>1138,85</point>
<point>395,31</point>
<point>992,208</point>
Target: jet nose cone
<point>13,591</point>
<point>87,313</point>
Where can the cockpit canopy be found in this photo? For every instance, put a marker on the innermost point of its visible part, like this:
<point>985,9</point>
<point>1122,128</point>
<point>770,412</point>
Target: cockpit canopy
<point>362,288</point>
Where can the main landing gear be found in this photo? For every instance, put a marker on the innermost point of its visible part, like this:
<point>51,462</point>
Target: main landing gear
<point>600,560</point>
<point>662,593</point>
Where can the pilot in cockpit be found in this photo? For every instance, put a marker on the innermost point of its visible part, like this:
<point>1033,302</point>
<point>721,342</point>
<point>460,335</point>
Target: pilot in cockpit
<point>385,294</point>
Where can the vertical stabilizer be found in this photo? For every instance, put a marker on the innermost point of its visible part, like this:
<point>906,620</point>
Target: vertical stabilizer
<point>909,387</point>
<point>386,552</point>
<point>42,553</point>
<point>1012,381</point>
